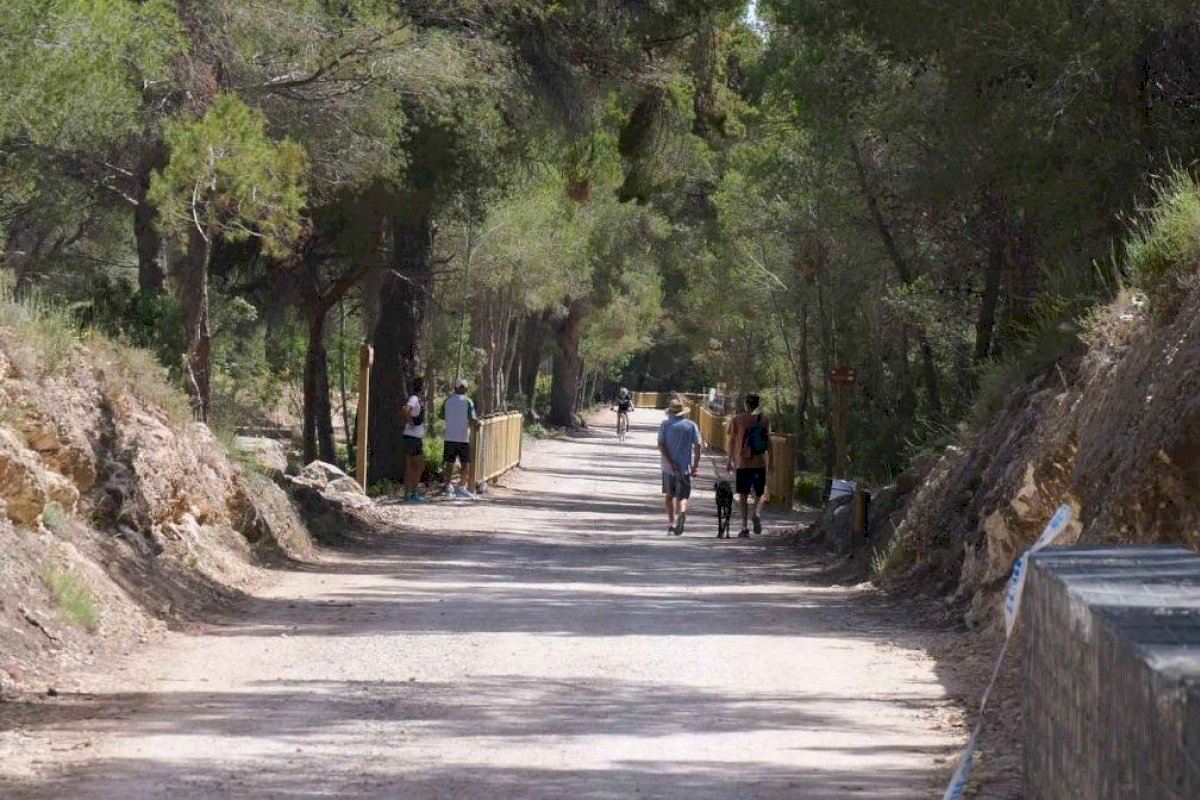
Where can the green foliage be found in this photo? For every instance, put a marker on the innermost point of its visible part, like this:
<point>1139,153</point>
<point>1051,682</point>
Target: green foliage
<point>895,556</point>
<point>75,70</point>
<point>74,597</point>
<point>56,519</point>
<point>1163,253</point>
<point>1054,340</point>
<point>226,177</point>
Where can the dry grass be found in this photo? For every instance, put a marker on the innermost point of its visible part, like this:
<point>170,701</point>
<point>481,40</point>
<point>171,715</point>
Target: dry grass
<point>74,598</point>
<point>44,339</point>
<point>131,371</point>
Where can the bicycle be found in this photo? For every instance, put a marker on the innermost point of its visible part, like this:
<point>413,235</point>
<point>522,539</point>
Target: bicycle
<point>622,425</point>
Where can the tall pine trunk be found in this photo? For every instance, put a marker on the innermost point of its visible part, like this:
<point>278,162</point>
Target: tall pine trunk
<point>565,372</point>
<point>318,411</point>
<point>192,279</point>
<point>532,336</point>
<point>151,253</point>
<point>403,299</point>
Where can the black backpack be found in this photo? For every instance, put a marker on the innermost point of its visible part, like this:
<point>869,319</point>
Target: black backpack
<point>758,438</point>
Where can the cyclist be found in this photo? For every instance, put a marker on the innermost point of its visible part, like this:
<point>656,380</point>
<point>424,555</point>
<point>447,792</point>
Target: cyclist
<point>623,407</point>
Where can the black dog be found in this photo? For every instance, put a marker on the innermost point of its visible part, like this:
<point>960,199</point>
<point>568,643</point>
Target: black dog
<point>724,491</point>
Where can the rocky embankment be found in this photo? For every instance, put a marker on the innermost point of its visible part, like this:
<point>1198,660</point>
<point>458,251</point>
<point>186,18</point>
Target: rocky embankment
<point>1112,429</point>
<point>118,515</point>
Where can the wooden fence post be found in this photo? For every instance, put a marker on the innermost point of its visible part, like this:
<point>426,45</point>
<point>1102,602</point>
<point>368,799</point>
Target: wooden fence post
<point>366,358</point>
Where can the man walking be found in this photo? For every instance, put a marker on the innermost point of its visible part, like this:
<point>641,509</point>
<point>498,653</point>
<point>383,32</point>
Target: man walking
<point>749,449</point>
<point>413,443</point>
<point>459,413</point>
<point>679,445</point>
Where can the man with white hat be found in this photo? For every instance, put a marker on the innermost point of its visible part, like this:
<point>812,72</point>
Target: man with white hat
<point>459,413</point>
<point>679,446</point>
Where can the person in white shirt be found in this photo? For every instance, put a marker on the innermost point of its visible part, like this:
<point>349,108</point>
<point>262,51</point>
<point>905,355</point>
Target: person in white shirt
<point>459,412</point>
<point>413,442</point>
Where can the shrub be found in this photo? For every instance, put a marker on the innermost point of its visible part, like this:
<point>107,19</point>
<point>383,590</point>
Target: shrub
<point>55,518</point>
<point>998,381</point>
<point>74,597</point>
<point>1163,252</point>
<point>810,489</point>
<point>893,556</point>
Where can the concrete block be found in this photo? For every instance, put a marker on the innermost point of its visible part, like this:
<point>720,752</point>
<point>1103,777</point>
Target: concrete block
<point>1112,674</point>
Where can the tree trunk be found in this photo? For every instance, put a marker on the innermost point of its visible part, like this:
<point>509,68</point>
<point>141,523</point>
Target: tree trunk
<point>403,299</point>
<point>151,252</point>
<point>986,324</point>
<point>531,360</point>
<point>318,412</point>
<point>350,454</point>
<point>565,372</point>
<point>193,302</point>
<point>904,273</point>
<point>803,391</point>
<point>930,375</point>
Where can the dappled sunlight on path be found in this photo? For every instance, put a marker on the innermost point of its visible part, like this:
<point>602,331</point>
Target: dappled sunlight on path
<point>549,641</point>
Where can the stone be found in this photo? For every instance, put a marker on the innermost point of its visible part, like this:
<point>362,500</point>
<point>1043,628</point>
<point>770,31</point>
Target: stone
<point>269,455</point>
<point>22,484</point>
<point>837,524</point>
<point>345,484</point>
<point>320,474</point>
<point>61,490</point>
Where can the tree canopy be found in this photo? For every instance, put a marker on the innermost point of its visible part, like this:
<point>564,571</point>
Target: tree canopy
<point>555,199</point>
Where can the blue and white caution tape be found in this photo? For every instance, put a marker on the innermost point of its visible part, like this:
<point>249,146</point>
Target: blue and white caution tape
<point>1012,604</point>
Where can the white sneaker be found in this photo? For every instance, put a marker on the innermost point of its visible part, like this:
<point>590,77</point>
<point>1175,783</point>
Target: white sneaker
<point>464,493</point>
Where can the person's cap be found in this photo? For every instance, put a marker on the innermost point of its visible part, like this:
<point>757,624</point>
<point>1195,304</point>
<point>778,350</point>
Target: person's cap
<point>675,406</point>
<point>461,383</point>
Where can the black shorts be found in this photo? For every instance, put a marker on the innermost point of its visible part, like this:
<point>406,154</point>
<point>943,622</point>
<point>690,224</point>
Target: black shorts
<point>412,446</point>
<point>679,486</point>
<point>456,450</point>
<point>751,479</point>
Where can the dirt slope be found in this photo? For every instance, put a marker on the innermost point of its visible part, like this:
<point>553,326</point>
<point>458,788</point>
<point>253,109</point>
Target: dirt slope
<point>118,516</point>
<point>1113,430</point>
<point>547,642</point>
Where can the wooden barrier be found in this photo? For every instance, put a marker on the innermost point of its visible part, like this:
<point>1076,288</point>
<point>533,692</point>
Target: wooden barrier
<point>495,446</point>
<point>781,479</point>
<point>651,399</point>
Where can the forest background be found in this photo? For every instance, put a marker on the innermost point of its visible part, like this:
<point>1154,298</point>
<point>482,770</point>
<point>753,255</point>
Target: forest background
<point>556,198</point>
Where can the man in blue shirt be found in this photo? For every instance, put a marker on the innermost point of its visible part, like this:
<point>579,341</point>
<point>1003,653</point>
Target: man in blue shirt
<point>679,445</point>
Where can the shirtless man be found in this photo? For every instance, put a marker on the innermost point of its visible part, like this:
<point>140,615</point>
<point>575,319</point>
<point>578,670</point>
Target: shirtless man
<point>749,452</point>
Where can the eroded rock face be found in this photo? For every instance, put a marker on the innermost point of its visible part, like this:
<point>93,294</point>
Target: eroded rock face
<point>1113,431</point>
<point>22,481</point>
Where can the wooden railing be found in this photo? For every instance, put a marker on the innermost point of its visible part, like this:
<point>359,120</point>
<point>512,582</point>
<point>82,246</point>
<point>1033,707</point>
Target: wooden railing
<point>495,446</point>
<point>781,478</point>
<point>651,399</point>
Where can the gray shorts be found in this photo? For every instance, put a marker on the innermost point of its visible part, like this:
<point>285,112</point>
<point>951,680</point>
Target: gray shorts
<point>679,486</point>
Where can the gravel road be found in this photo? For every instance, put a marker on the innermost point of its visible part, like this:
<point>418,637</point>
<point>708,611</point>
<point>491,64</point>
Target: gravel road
<point>549,641</point>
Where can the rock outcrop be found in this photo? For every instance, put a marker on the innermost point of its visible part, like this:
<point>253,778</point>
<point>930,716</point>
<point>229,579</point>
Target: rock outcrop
<point>1113,430</point>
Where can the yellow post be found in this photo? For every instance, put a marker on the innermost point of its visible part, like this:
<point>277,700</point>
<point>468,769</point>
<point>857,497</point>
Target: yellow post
<point>366,358</point>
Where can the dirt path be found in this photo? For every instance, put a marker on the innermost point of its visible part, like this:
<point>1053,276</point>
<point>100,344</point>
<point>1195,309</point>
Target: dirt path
<point>549,642</point>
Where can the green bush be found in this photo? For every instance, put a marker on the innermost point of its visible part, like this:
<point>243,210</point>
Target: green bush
<point>1163,252</point>
<point>810,489</point>
<point>73,596</point>
<point>998,381</point>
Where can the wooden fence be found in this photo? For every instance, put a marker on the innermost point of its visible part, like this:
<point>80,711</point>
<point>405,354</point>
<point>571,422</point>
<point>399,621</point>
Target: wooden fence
<point>495,446</point>
<point>651,399</point>
<point>781,479</point>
